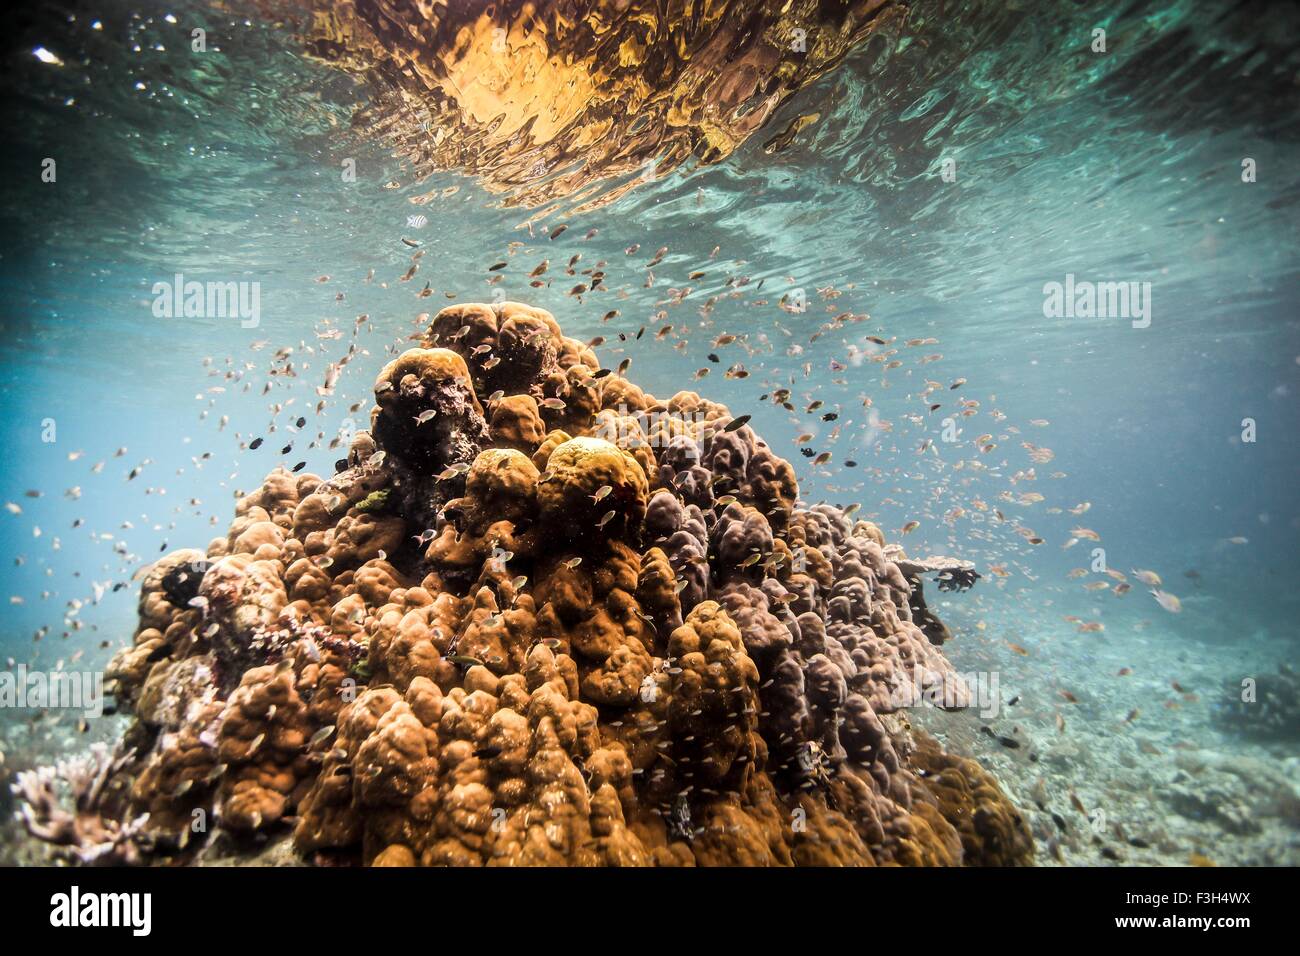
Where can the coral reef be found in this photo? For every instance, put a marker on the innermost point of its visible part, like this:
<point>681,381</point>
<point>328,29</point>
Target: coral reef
<point>540,617</point>
<point>82,832</point>
<point>953,575</point>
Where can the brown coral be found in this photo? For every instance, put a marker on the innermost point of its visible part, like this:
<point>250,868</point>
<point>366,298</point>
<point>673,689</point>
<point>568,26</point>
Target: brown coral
<point>619,640</point>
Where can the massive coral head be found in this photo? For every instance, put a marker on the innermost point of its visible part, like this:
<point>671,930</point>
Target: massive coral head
<point>539,616</point>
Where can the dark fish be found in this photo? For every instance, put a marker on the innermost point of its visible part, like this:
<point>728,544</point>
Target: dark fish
<point>737,423</point>
<point>299,467</point>
<point>255,444</point>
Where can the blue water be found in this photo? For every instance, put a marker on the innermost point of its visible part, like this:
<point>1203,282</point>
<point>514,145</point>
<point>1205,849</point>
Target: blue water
<point>1123,166</point>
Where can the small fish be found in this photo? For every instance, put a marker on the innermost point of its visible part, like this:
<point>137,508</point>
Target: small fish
<point>1168,601</point>
<point>425,416</point>
<point>573,563</point>
<point>605,519</point>
<point>464,660</point>
<point>909,527</point>
<point>736,423</point>
<point>1149,578</point>
<point>555,403</point>
<point>601,493</point>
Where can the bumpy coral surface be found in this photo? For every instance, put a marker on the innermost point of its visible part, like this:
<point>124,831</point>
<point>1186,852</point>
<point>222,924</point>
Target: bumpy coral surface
<point>541,617</point>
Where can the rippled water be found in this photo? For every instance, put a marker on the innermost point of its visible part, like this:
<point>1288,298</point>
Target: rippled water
<point>951,159</point>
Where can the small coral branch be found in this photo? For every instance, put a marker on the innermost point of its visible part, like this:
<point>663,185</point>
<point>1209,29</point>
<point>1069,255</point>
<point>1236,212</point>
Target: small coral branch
<point>83,833</point>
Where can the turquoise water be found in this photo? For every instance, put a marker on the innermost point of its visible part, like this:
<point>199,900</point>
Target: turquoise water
<point>1123,166</point>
